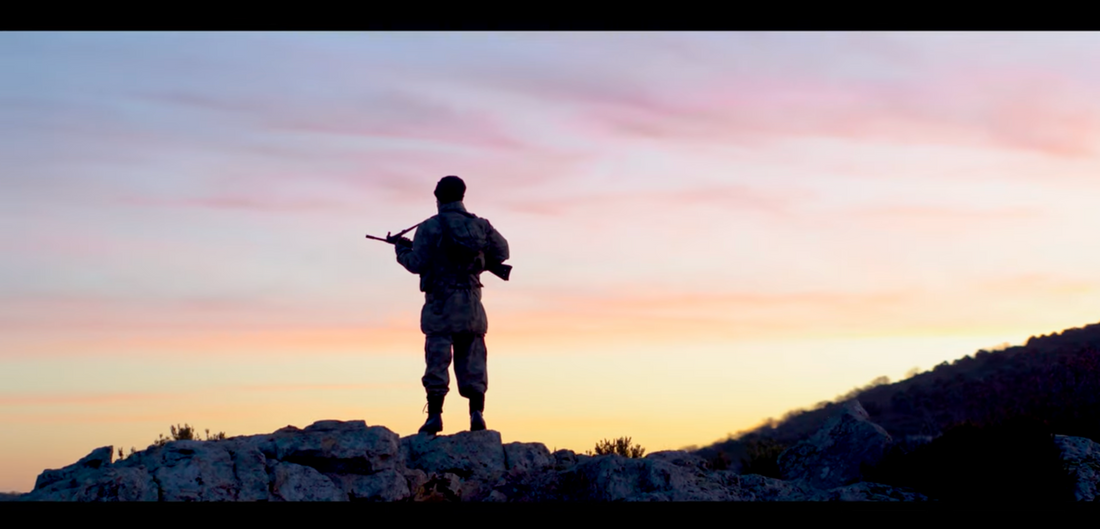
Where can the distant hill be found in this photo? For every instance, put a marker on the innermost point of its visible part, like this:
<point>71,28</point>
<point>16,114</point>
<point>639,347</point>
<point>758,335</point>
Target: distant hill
<point>1052,378</point>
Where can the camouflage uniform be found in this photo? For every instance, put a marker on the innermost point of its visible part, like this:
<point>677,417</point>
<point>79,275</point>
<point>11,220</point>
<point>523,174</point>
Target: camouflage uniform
<point>453,315</point>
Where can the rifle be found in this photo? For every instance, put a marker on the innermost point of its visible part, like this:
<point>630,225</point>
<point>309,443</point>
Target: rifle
<point>500,269</point>
<point>391,238</point>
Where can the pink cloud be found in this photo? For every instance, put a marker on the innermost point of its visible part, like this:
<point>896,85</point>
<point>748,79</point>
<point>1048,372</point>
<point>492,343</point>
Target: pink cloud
<point>727,198</point>
<point>945,213</point>
<point>383,115</point>
<point>1028,108</point>
<point>238,202</point>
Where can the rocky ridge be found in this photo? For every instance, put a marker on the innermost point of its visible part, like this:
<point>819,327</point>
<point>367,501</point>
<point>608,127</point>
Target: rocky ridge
<point>350,461</point>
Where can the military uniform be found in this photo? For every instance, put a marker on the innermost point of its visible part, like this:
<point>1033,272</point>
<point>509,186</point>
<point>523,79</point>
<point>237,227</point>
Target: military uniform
<point>453,316</point>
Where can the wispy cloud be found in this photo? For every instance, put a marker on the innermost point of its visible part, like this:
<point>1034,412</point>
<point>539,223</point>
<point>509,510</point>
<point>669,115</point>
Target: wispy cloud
<point>87,398</point>
<point>249,203</point>
<point>1031,107</point>
<point>944,213</point>
<point>728,197</point>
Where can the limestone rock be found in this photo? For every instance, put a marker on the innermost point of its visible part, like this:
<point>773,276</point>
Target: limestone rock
<point>754,487</point>
<point>121,484</point>
<point>866,491</point>
<point>250,470</point>
<point>680,458</point>
<point>387,485</point>
<point>105,485</point>
<point>832,456</point>
<point>444,487</point>
<point>527,457</point>
<point>342,461</point>
<point>333,447</point>
<point>415,478</point>
<point>617,478</point>
<point>196,471</point>
<point>466,454</point>
<point>564,459</point>
<point>293,482</point>
<point>98,458</point>
<point>1082,456</point>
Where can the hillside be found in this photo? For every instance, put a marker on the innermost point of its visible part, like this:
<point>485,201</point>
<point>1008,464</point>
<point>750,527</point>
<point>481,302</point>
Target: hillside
<point>1054,379</point>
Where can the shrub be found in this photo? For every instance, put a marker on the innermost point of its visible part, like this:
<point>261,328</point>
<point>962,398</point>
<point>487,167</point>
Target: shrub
<point>620,446</point>
<point>762,458</point>
<point>1009,460</point>
<point>186,432</point>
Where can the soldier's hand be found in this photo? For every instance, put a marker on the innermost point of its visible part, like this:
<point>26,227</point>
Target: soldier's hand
<point>398,241</point>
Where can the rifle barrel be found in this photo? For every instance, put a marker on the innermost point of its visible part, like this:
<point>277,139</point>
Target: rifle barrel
<point>400,233</point>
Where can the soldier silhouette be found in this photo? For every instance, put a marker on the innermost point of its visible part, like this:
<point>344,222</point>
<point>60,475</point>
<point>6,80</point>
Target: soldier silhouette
<point>450,251</point>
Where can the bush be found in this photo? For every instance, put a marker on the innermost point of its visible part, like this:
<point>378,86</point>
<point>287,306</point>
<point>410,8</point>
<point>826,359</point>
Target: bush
<point>186,433</point>
<point>1010,460</point>
<point>620,446</point>
<point>762,458</point>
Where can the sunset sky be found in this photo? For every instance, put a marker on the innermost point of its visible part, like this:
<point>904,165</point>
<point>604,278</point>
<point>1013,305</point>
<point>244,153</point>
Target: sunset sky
<point>707,229</point>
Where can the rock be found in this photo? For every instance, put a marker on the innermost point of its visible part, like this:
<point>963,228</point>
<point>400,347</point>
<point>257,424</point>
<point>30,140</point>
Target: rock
<point>250,470</point>
<point>387,485</point>
<point>832,456</point>
<point>1082,456</point>
<point>617,478</point>
<point>293,482</point>
<point>342,461</point>
<point>106,485</point>
<point>196,471</point>
<point>415,479</point>
<point>121,484</point>
<point>564,459</point>
<point>333,447</point>
<point>527,457</point>
<point>754,487</point>
<point>445,487</point>
<point>98,458</point>
<point>466,454</point>
<point>680,458</point>
<point>865,491</point>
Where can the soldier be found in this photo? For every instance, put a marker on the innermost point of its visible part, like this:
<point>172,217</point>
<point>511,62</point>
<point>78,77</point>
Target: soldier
<point>449,251</point>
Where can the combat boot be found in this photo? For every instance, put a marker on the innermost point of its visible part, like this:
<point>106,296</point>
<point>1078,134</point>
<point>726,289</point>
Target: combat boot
<point>434,424</point>
<point>477,406</point>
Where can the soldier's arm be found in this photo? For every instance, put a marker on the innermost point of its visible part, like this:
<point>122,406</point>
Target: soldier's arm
<point>415,259</point>
<point>498,246</point>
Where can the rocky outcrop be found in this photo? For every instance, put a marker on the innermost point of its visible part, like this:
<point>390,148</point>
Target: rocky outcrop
<point>349,461</point>
<point>833,456</point>
<point>465,454</point>
<point>1082,458</point>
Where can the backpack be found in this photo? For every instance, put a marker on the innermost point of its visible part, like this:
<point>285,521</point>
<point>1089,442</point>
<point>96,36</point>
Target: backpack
<point>464,249</point>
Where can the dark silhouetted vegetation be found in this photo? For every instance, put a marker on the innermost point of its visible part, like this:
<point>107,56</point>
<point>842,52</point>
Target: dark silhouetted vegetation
<point>1055,379</point>
<point>762,458</point>
<point>186,432</point>
<point>1014,460</point>
<point>620,446</point>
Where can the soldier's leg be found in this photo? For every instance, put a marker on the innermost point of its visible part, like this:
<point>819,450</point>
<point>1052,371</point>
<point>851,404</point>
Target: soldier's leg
<point>437,360</point>
<point>471,369</point>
